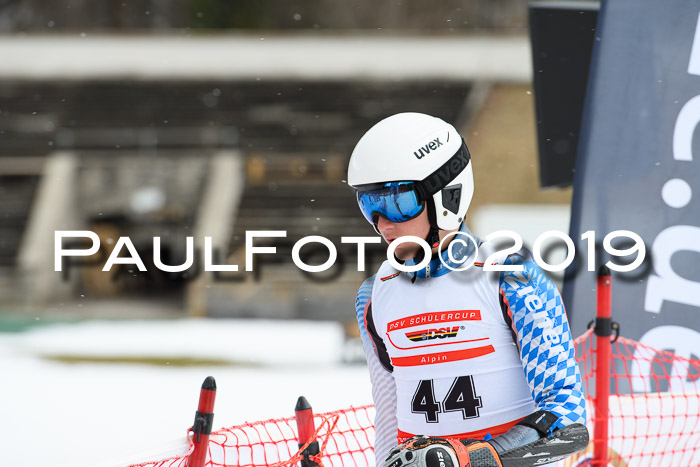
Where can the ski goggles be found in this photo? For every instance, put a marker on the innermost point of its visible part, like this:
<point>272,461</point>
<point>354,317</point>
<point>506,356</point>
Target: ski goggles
<point>395,201</point>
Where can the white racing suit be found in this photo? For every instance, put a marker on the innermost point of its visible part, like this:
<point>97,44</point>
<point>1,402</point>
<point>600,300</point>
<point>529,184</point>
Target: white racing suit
<point>466,354</point>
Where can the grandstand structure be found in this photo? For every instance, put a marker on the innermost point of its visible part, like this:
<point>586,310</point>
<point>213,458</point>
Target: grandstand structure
<point>210,136</point>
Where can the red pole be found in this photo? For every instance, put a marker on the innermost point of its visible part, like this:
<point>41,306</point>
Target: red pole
<point>306,428</point>
<point>603,331</point>
<point>203,421</point>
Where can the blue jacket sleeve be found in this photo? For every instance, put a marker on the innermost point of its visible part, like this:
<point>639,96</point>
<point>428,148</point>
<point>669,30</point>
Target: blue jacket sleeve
<point>533,308</point>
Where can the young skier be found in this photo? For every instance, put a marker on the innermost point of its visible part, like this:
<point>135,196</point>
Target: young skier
<point>456,352</point>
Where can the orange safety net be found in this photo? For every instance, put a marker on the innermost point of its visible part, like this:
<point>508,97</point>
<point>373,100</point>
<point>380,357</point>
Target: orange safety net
<point>345,438</point>
<point>654,419</point>
<point>654,405</point>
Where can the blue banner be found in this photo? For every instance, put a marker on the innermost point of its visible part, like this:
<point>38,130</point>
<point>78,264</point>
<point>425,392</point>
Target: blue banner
<point>638,170</point>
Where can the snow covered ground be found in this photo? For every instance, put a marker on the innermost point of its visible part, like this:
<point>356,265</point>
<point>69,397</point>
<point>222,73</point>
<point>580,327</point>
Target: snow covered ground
<point>71,412</point>
<point>68,397</point>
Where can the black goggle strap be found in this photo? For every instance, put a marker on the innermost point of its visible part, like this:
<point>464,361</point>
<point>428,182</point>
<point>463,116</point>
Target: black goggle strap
<point>439,179</point>
<point>433,237</point>
<point>435,182</point>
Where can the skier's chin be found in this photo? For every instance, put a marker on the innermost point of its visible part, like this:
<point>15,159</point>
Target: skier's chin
<point>406,251</point>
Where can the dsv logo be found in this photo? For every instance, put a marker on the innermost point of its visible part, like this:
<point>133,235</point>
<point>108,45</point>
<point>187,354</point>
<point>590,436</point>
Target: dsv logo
<point>425,150</point>
<point>430,334</point>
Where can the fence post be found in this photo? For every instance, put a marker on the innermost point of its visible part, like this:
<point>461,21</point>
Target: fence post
<point>603,331</point>
<point>203,421</point>
<point>306,428</point>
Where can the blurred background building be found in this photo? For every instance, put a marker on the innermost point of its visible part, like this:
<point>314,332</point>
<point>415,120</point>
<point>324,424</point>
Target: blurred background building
<point>212,118</point>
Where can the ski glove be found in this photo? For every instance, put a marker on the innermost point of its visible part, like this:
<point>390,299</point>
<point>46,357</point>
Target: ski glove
<point>424,451</point>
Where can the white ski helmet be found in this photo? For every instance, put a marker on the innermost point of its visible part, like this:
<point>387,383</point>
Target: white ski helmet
<point>419,148</point>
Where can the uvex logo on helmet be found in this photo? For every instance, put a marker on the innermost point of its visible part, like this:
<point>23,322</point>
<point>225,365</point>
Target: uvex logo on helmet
<point>425,150</point>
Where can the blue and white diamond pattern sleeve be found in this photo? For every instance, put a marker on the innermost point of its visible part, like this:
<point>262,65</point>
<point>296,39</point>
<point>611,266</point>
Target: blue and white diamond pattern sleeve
<point>538,320</point>
<point>383,385</point>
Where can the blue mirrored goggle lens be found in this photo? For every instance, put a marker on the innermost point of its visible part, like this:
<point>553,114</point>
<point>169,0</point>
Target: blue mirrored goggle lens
<point>396,202</point>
